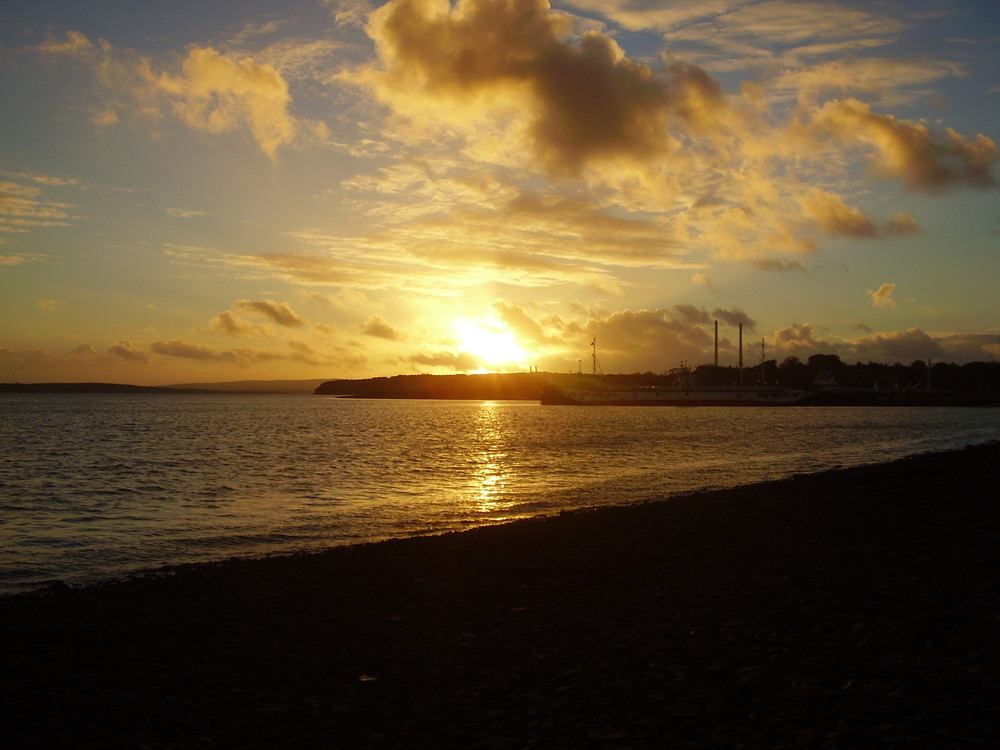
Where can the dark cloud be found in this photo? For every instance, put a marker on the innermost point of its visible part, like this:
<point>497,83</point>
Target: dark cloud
<point>242,357</point>
<point>896,346</point>
<point>280,312</point>
<point>734,318</point>
<point>377,326</point>
<point>178,348</point>
<point>773,264</point>
<point>596,103</point>
<point>693,314</point>
<point>648,340</point>
<point>901,346</point>
<point>587,102</point>
<point>129,353</point>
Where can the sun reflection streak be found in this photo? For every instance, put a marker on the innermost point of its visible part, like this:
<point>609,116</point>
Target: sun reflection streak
<point>492,471</point>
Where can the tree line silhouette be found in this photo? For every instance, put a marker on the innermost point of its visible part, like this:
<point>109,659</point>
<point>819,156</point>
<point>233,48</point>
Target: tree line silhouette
<point>828,371</point>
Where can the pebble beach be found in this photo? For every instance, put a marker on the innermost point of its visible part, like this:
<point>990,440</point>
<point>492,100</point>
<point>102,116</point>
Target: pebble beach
<point>855,608</point>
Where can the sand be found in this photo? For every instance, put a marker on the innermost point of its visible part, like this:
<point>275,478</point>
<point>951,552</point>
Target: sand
<point>851,609</point>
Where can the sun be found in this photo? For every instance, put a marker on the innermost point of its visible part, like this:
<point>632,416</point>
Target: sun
<point>491,342</point>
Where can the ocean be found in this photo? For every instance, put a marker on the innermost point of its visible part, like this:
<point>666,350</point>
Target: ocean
<point>100,486</point>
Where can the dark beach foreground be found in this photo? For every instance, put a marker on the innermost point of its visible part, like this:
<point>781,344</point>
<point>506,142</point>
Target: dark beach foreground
<point>850,609</point>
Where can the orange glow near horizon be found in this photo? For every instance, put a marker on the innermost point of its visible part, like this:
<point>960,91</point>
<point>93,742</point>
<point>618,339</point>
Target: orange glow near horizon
<point>491,342</point>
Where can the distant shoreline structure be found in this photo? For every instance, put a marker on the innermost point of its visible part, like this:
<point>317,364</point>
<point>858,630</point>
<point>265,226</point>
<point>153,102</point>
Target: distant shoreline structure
<point>828,382</point>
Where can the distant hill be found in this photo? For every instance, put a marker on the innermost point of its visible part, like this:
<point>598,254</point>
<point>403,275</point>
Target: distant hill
<point>255,386</point>
<point>239,386</point>
<point>83,388</point>
<point>489,386</point>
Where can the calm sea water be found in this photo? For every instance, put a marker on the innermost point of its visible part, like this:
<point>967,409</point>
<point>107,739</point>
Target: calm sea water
<point>99,486</point>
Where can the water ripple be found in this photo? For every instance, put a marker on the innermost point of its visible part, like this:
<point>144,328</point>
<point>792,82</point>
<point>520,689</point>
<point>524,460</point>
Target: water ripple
<point>98,486</point>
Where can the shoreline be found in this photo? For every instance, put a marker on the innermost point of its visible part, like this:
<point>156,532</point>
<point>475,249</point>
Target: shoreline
<point>851,608</point>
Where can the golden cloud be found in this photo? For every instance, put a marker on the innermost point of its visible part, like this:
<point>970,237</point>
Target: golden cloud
<point>925,160</point>
<point>462,362</point>
<point>219,95</point>
<point>882,297</point>
<point>518,320</point>
<point>211,92</point>
<point>796,337</point>
<point>233,325</point>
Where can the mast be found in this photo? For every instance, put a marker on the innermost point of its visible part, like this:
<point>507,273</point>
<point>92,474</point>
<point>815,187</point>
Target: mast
<point>716,343</point>
<point>596,367</point>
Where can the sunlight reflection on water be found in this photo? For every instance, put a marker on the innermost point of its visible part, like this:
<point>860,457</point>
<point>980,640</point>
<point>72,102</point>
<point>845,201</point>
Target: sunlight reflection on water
<point>94,486</point>
<point>493,469</point>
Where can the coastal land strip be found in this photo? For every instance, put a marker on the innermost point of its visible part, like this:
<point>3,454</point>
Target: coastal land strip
<point>968,386</point>
<point>855,608</point>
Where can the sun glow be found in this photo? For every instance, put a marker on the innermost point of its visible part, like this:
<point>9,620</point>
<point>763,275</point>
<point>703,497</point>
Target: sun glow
<point>491,342</point>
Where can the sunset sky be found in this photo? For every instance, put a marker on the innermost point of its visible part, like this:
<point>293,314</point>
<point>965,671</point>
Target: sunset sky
<point>240,189</point>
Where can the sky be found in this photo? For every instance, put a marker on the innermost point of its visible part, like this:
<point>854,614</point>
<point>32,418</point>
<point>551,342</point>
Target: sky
<point>240,189</point>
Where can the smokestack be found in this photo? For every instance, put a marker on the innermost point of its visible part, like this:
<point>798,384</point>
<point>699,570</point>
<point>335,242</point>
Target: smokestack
<point>716,343</point>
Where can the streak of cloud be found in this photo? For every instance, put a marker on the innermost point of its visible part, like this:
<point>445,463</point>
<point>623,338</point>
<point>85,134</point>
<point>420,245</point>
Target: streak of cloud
<point>182,350</point>
<point>837,219</point>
